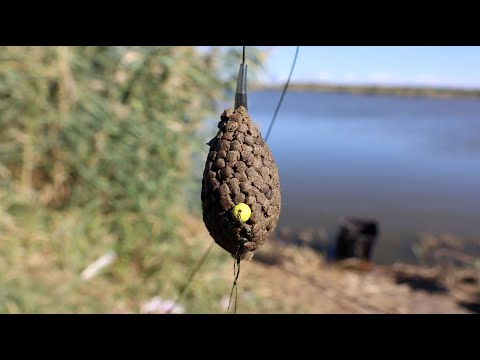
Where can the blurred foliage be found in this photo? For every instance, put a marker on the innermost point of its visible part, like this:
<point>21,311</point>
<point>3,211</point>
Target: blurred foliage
<point>96,145</point>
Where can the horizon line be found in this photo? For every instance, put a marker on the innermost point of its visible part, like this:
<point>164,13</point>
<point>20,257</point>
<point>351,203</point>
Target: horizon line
<point>320,84</point>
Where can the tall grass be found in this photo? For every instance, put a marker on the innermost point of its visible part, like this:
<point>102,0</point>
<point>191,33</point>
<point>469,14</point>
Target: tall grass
<point>95,155</point>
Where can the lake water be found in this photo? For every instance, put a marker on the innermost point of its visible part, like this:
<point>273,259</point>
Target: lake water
<point>413,164</point>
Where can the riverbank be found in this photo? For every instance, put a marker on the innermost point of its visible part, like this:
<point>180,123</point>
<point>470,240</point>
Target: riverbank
<point>303,282</point>
<point>377,90</point>
<point>286,278</point>
<point>281,279</point>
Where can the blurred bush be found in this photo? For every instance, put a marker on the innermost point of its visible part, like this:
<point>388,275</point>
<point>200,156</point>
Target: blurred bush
<point>95,154</point>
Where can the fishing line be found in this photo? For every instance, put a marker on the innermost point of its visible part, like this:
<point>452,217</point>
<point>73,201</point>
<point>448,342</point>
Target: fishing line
<point>283,94</point>
<point>237,261</point>
<point>236,264</point>
<point>236,274</point>
<point>192,274</point>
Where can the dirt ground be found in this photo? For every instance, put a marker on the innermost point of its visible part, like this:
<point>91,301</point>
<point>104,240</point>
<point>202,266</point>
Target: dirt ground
<point>302,282</point>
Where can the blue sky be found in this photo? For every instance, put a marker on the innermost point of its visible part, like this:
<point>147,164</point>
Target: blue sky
<point>380,65</point>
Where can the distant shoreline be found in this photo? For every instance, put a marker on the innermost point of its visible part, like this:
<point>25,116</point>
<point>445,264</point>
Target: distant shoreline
<point>377,90</point>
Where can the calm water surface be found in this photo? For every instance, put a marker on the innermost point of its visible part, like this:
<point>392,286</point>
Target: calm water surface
<point>411,163</point>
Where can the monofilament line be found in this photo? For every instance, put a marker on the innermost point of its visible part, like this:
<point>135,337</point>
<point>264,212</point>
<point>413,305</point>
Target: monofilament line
<point>207,252</point>
<point>283,94</point>
<point>192,274</point>
<point>236,274</point>
<point>237,261</point>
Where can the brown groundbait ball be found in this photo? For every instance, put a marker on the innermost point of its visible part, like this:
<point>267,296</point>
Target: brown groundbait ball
<point>240,169</point>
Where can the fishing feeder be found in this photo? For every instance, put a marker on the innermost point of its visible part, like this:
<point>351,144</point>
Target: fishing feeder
<point>240,196</point>
<point>240,172</point>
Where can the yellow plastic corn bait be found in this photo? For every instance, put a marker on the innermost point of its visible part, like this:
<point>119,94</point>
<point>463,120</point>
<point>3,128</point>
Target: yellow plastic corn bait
<point>242,212</point>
